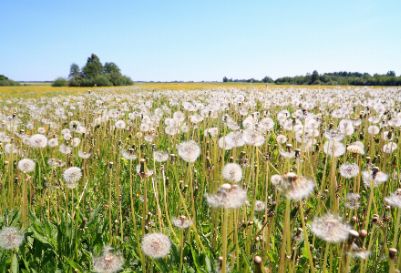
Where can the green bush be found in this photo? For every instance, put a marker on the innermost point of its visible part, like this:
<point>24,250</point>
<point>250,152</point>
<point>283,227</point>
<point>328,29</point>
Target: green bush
<point>60,82</point>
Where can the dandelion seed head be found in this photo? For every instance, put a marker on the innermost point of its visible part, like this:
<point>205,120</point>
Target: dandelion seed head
<point>394,199</point>
<point>156,245</point>
<point>10,238</point>
<point>71,177</point>
<point>108,262</point>
<point>232,172</point>
<point>26,165</point>
<point>189,151</point>
<point>228,196</point>
<point>182,222</point>
<point>352,200</point>
<point>349,170</point>
<point>38,141</point>
<point>330,228</point>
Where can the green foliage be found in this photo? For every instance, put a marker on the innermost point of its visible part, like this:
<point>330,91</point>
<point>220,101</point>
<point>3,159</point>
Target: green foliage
<point>343,78</point>
<point>96,74</point>
<point>266,79</point>
<point>4,81</point>
<point>60,82</point>
<point>74,71</point>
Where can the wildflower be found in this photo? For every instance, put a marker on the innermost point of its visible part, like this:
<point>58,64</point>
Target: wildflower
<point>189,151</point>
<point>65,149</point>
<point>54,162</point>
<point>387,135</point>
<point>356,148</point>
<point>330,228</point>
<point>212,132</point>
<point>10,148</point>
<point>129,154</point>
<point>253,138</point>
<point>224,144</point>
<point>373,130</point>
<point>373,177</point>
<point>38,141</point>
<point>287,154</point>
<point>294,186</point>
<point>358,252</point>
<point>349,170</point>
<point>228,196</point>
<point>334,135</point>
<point>160,156</point>
<point>394,199</point>
<point>182,222</point>
<point>84,155</point>
<point>26,165</point>
<point>334,148</point>
<point>232,172</point>
<point>156,245</point>
<point>346,127</point>
<point>10,238</point>
<point>259,205</point>
<point>108,262</point>
<point>281,139</point>
<point>142,171</point>
<point>352,201</point>
<point>75,142</point>
<point>235,139</point>
<point>53,142</point>
<point>71,176</point>
<point>389,147</point>
<point>120,124</point>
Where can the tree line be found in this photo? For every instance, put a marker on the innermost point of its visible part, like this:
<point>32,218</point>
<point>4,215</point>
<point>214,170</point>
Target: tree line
<point>333,78</point>
<point>266,79</point>
<point>4,81</point>
<point>94,73</point>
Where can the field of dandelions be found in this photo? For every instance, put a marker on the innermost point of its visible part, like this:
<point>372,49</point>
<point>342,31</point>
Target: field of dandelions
<point>209,180</point>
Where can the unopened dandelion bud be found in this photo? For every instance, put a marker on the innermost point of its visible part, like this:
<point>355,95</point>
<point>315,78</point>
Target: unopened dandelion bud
<point>257,260</point>
<point>392,253</point>
<point>363,233</point>
<point>142,166</point>
<point>375,218</point>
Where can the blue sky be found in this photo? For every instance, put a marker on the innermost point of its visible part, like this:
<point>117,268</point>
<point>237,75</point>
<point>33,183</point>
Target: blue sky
<point>198,40</point>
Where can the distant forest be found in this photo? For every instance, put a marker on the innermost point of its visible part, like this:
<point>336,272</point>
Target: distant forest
<point>334,78</point>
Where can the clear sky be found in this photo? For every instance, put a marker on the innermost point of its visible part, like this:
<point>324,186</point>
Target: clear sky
<point>198,40</point>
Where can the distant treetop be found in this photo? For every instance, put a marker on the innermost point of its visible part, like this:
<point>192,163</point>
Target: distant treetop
<point>94,73</point>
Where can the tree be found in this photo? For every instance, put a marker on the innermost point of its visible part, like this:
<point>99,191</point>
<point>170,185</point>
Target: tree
<point>4,81</point>
<point>391,73</point>
<point>225,79</point>
<point>93,67</point>
<point>267,79</point>
<point>111,68</point>
<point>74,71</point>
<point>315,77</point>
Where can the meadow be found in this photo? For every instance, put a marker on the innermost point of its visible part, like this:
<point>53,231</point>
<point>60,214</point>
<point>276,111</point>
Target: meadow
<point>200,177</point>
